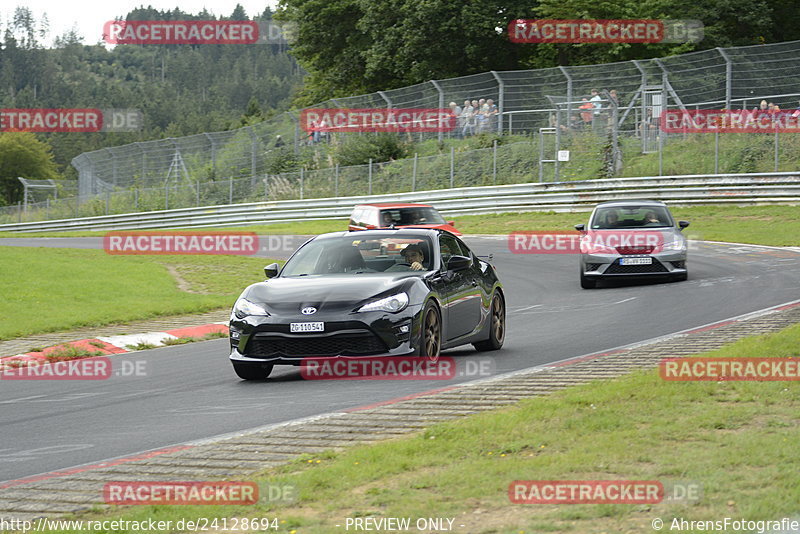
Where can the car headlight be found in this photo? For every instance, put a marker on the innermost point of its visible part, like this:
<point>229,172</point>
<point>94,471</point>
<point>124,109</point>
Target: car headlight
<point>675,245</point>
<point>392,304</point>
<point>244,308</point>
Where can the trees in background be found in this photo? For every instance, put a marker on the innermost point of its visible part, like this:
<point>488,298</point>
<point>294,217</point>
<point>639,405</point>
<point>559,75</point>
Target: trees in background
<point>360,46</point>
<point>23,155</point>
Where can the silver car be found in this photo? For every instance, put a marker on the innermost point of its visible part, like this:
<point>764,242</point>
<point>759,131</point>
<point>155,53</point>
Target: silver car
<point>632,238</point>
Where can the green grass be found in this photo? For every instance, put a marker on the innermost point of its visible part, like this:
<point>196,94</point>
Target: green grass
<point>48,289</point>
<point>736,439</point>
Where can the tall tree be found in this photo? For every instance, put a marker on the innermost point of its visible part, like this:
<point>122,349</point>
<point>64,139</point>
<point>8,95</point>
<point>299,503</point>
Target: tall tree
<point>22,155</point>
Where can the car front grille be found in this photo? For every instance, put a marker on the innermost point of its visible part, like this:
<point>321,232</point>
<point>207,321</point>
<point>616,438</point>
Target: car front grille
<point>655,267</point>
<point>350,344</point>
<point>593,266</point>
<point>644,249</point>
<point>679,264</point>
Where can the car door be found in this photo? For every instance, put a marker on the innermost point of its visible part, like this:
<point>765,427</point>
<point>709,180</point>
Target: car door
<point>462,299</point>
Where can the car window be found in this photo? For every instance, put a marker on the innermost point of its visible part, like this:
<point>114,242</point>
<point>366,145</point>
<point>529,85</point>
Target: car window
<point>355,218</point>
<point>449,247</point>
<point>355,255</point>
<point>631,217</point>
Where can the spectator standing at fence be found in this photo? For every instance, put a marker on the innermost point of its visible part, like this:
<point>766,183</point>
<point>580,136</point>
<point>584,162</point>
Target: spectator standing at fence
<point>322,131</point>
<point>597,102</point>
<point>279,141</point>
<point>762,111</point>
<point>612,94</point>
<point>455,109</point>
<point>483,115</point>
<point>491,113</point>
<point>586,110</point>
<point>467,115</point>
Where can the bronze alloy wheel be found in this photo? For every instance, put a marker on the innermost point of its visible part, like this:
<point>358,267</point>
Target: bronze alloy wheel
<point>432,334</point>
<point>497,326</point>
<point>498,319</point>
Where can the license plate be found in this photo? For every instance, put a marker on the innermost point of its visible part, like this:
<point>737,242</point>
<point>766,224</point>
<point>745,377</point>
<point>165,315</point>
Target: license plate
<point>307,327</point>
<point>636,261</point>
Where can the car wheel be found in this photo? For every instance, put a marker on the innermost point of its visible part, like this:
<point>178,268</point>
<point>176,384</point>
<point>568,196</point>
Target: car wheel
<point>497,328</point>
<point>252,372</point>
<point>430,344</point>
<point>587,283</point>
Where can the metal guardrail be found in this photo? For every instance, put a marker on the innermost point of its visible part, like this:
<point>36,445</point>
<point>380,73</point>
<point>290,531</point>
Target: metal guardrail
<point>757,188</point>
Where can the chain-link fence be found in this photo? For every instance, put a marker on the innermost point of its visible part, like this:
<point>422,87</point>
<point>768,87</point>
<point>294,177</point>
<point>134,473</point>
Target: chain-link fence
<point>546,111</point>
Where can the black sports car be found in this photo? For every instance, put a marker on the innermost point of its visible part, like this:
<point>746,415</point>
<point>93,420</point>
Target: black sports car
<point>368,293</point>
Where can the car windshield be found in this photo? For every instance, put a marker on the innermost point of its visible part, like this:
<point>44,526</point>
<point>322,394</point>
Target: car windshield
<point>407,216</point>
<point>631,217</point>
<point>360,255</point>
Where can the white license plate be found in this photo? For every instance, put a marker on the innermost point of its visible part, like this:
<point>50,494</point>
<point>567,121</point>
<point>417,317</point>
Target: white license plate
<point>636,261</point>
<point>306,327</point>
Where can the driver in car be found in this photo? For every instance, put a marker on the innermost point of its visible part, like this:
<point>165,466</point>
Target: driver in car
<point>413,257</point>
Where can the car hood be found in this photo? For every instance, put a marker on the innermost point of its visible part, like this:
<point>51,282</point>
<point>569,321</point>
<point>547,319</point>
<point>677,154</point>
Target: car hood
<point>325,292</point>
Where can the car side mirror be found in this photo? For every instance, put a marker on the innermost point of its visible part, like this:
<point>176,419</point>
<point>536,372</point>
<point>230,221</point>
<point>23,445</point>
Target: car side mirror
<point>271,270</point>
<point>683,224</point>
<point>580,227</point>
<point>458,263</point>
<point>451,223</point>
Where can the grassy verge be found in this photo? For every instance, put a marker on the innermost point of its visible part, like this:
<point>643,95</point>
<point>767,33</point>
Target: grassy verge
<point>48,289</point>
<point>737,440</point>
<point>747,224</point>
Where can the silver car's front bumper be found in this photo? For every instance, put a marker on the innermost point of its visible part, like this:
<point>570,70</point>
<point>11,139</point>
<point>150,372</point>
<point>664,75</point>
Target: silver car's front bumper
<point>667,263</point>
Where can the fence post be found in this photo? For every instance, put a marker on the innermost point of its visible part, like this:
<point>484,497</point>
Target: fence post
<point>369,185</point>
<point>776,149</point>
<point>253,153</point>
<point>198,192</point>
<point>414,173</point>
<point>19,211</point>
<point>47,209</point>
<point>336,181</point>
<point>500,100</point>
<point>494,162</point>
<point>728,77</point>
<point>166,196</point>
<point>441,105</point>
<point>452,165</point>
<point>230,190</point>
<point>302,178</point>
<point>569,95</point>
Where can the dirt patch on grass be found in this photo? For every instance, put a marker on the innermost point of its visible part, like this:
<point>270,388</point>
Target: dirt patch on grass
<point>183,284</point>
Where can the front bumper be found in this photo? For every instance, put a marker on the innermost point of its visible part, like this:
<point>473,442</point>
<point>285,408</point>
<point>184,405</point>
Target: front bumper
<point>257,340</point>
<point>665,264</point>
